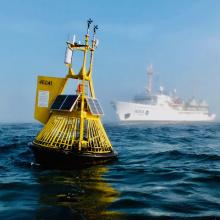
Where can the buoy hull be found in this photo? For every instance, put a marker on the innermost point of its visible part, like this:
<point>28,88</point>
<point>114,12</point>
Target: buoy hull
<point>58,158</point>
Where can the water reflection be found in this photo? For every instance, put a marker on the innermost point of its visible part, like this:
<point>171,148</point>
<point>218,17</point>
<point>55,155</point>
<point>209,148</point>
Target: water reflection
<point>79,194</point>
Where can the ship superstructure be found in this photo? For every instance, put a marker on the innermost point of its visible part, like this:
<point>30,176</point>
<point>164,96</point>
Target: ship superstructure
<point>162,107</point>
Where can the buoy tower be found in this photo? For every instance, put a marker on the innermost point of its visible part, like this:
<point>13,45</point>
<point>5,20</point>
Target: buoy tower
<point>73,134</point>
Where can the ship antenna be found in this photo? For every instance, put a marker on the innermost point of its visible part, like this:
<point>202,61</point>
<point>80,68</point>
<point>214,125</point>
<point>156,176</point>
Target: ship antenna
<point>150,75</point>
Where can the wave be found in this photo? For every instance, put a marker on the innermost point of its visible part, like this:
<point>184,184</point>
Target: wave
<point>181,155</point>
<point>163,172</point>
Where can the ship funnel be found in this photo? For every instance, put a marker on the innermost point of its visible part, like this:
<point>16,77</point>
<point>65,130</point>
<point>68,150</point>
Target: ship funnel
<point>161,89</point>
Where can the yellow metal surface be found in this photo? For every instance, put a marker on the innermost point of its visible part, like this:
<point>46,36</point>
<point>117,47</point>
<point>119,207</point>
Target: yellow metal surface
<point>47,90</point>
<point>63,132</point>
<point>78,130</point>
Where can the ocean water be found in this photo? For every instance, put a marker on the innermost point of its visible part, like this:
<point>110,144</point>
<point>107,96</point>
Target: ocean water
<point>164,171</point>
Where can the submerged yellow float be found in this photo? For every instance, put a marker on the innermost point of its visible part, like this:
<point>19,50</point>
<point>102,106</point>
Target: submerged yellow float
<point>73,134</point>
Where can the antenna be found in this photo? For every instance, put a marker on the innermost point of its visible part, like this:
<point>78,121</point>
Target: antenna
<point>74,39</point>
<point>89,22</point>
<point>150,77</point>
<point>95,27</point>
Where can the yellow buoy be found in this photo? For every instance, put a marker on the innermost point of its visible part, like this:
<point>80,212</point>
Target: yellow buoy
<point>73,134</point>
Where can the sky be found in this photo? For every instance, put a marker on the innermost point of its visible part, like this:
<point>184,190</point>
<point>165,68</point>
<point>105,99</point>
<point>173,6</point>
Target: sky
<point>180,38</point>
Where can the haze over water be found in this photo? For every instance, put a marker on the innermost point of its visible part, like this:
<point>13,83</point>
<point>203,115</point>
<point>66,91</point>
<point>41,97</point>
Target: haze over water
<point>180,39</point>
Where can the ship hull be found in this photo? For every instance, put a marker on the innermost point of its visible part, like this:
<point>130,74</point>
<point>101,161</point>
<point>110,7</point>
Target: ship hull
<point>57,158</point>
<point>128,111</point>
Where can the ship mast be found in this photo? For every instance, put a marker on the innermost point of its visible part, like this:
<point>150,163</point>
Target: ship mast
<point>150,78</point>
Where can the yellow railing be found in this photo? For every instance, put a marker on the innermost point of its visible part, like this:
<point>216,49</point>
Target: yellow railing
<point>62,132</point>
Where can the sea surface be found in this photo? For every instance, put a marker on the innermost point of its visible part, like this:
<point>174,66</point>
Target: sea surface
<point>164,171</point>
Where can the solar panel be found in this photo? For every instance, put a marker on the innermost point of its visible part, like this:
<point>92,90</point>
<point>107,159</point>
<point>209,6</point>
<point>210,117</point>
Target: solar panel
<point>69,103</point>
<point>94,106</point>
<point>98,107</point>
<point>64,102</point>
<point>58,102</point>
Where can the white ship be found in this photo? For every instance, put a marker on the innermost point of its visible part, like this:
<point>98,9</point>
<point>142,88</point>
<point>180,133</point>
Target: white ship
<point>162,107</point>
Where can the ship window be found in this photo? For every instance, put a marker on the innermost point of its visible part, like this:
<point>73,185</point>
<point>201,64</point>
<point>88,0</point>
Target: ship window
<point>127,115</point>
